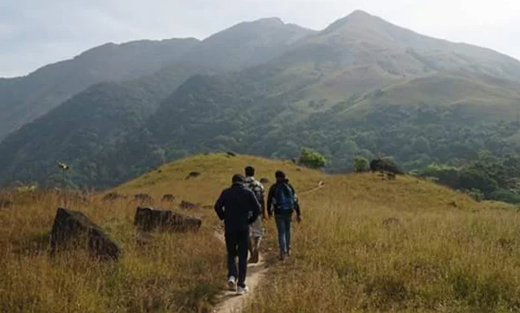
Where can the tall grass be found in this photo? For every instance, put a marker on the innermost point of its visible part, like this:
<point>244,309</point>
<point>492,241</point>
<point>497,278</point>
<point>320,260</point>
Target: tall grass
<point>441,252</point>
<point>365,245</point>
<point>171,273</point>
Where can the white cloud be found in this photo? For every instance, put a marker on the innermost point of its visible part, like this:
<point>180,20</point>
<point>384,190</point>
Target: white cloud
<point>34,32</point>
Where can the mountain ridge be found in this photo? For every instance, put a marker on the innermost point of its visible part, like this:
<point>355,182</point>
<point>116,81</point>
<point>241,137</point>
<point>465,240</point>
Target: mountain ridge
<point>347,92</point>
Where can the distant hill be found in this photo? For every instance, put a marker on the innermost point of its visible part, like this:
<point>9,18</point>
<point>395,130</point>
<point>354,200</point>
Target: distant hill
<point>26,98</point>
<point>97,117</point>
<point>362,86</point>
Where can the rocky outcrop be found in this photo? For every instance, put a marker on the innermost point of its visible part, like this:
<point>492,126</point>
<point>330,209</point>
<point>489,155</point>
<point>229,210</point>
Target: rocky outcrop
<point>148,219</point>
<point>188,205</point>
<point>113,196</point>
<point>142,197</point>
<point>72,229</point>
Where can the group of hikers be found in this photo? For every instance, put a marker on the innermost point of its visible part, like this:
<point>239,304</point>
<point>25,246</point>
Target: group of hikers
<point>242,207</point>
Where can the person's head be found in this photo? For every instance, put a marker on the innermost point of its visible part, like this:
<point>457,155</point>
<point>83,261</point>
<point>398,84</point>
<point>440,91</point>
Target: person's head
<point>237,179</point>
<point>280,176</point>
<point>250,171</point>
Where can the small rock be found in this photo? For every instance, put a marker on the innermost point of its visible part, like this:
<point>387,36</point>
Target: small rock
<point>192,175</point>
<point>188,205</point>
<point>231,154</point>
<point>148,219</point>
<point>73,228</point>
<point>113,196</point>
<point>168,198</point>
<point>142,197</point>
<point>391,222</point>
<point>264,181</point>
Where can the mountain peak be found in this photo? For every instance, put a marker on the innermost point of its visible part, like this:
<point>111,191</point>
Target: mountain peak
<point>358,17</point>
<point>359,14</point>
<point>269,20</point>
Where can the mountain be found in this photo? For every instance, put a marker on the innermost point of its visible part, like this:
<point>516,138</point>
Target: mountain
<point>26,98</point>
<point>360,87</point>
<point>246,44</point>
<point>98,117</point>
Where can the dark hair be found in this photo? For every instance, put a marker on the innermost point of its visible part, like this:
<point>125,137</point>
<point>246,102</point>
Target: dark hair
<point>279,175</point>
<point>237,178</point>
<point>250,171</point>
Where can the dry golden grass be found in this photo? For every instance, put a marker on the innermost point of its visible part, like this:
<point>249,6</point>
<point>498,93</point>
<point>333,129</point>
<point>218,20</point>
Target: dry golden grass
<point>441,252</point>
<point>445,252</point>
<point>173,273</point>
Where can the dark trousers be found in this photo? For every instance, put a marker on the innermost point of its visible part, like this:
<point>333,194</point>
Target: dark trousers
<point>283,225</point>
<point>237,245</point>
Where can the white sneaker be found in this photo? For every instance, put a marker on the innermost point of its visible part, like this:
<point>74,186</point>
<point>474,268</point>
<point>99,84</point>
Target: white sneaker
<point>232,283</point>
<point>242,290</point>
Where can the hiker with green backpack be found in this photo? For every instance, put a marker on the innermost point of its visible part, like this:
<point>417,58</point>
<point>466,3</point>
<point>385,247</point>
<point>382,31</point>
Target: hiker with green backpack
<point>282,200</point>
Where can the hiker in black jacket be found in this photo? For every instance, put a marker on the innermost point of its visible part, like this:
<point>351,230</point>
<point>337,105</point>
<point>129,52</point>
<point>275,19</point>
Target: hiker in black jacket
<point>239,208</point>
<point>283,201</point>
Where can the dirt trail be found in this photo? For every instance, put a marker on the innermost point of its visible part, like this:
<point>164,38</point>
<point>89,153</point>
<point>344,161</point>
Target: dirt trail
<point>229,302</point>
<point>321,184</point>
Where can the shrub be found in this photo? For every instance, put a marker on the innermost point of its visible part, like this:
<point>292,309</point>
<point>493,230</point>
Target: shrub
<point>505,196</point>
<point>312,158</point>
<point>476,194</point>
<point>361,164</point>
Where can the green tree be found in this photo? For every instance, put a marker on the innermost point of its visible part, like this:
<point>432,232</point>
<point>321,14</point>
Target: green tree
<point>312,158</point>
<point>361,164</point>
<point>421,145</point>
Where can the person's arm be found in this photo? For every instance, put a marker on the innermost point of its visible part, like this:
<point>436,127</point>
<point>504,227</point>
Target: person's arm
<point>296,203</point>
<point>255,207</point>
<point>219,205</point>
<point>262,203</point>
<point>270,196</point>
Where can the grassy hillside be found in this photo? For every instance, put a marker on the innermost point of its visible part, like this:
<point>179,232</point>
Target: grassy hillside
<point>445,253</point>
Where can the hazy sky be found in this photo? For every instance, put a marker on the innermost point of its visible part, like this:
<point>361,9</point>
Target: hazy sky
<point>37,32</point>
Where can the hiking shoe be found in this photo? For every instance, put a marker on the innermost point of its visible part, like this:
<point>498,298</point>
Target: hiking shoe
<point>232,283</point>
<point>242,290</point>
